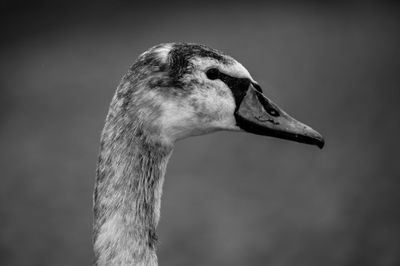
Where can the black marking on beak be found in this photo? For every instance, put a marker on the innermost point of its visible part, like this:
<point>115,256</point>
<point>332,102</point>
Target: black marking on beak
<point>259,115</point>
<point>238,86</point>
<point>255,113</point>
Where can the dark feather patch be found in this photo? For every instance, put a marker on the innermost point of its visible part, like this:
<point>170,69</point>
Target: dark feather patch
<point>180,55</point>
<point>153,238</point>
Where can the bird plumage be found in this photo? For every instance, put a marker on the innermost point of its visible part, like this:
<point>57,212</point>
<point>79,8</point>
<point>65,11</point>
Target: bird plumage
<point>171,92</point>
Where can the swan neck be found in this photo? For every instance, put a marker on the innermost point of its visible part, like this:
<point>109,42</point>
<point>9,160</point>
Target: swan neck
<point>127,197</point>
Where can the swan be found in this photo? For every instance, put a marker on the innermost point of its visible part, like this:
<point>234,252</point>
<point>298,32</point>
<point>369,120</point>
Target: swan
<point>172,91</point>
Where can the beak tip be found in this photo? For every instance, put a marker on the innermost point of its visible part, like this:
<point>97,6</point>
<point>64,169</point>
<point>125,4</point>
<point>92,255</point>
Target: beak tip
<point>320,142</point>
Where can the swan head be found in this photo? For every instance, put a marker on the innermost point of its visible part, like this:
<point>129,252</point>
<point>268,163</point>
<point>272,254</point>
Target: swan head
<point>177,90</point>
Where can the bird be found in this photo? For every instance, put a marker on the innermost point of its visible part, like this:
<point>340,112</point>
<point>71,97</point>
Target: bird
<point>171,92</point>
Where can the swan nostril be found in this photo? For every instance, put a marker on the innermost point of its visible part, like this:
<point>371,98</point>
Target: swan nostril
<point>272,112</point>
<point>268,107</point>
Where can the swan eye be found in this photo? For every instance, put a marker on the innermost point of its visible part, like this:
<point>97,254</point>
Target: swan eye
<point>212,73</point>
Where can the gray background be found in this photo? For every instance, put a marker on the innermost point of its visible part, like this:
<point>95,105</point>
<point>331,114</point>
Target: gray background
<point>229,198</point>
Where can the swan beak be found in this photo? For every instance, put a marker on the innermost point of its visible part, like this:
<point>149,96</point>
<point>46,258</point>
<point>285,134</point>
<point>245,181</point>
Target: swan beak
<point>259,115</point>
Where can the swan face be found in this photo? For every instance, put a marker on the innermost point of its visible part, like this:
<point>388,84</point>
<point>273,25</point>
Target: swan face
<point>206,104</point>
<point>181,90</point>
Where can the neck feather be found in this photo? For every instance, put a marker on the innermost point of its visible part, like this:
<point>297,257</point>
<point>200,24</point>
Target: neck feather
<point>127,195</point>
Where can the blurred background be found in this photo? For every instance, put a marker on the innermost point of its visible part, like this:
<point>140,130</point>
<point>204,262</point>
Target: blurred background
<point>229,198</point>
